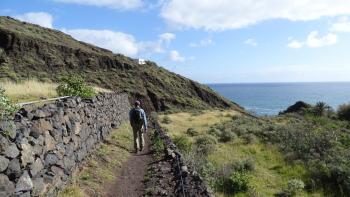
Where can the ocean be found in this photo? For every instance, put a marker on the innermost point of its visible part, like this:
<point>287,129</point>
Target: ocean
<point>271,98</point>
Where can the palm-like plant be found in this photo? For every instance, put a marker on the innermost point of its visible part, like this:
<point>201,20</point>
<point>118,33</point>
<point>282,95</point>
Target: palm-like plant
<point>321,108</point>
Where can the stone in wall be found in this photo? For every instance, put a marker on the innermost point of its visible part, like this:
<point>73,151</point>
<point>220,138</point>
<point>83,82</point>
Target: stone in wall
<point>45,145</point>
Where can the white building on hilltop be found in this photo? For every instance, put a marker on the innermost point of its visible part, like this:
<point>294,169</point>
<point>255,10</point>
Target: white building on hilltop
<point>142,61</point>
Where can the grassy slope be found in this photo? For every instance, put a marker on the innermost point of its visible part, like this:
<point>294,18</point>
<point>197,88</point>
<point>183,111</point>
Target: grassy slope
<point>271,171</point>
<point>101,168</point>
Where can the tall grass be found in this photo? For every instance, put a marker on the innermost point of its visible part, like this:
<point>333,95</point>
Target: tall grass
<point>28,90</point>
<point>32,89</point>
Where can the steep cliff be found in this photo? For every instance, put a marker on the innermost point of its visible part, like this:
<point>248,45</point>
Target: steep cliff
<point>31,51</point>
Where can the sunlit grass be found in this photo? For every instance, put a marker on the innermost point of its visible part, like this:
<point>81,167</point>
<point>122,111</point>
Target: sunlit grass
<point>71,191</point>
<point>200,121</point>
<point>29,90</point>
<point>32,90</point>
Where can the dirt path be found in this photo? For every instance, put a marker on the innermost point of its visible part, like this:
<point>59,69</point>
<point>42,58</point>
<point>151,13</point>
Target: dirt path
<point>131,176</point>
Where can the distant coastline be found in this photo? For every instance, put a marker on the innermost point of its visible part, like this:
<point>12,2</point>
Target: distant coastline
<point>271,98</point>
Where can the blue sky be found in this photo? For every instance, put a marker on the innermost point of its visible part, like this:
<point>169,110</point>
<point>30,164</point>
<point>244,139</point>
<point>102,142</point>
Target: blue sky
<point>220,41</point>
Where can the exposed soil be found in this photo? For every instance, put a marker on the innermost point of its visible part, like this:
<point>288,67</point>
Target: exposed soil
<point>130,182</point>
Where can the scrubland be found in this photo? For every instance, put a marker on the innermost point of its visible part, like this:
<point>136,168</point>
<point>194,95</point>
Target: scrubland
<point>287,155</point>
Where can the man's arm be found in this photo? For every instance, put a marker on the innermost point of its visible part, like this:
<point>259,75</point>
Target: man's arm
<point>144,119</point>
<point>130,116</point>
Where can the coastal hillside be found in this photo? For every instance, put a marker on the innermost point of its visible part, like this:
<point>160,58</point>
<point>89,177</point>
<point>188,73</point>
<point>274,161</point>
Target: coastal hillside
<point>30,51</point>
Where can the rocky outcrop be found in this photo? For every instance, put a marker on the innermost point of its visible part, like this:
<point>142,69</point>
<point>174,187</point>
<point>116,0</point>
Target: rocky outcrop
<point>298,107</point>
<point>51,141</point>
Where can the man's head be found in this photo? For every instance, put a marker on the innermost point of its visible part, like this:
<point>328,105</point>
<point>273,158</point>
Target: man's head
<point>137,103</point>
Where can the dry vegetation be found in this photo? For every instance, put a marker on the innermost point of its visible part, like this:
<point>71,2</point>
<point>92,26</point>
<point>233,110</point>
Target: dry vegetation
<point>31,90</point>
<point>200,120</point>
<point>28,90</point>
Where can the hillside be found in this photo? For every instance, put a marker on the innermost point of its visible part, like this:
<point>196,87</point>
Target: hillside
<point>29,51</point>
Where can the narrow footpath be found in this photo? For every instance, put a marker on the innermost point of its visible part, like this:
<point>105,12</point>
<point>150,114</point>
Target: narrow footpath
<point>131,176</point>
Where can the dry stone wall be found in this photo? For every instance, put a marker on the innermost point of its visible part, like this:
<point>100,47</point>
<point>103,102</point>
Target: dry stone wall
<point>41,149</point>
<point>188,182</point>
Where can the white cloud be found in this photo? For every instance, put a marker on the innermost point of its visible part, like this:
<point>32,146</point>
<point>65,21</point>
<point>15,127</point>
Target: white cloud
<point>202,43</point>
<point>176,57</point>
<point>314,40</point>
<point>167,37</point>
<point>40,18</point>
<point>115,4</point>
<point>117,42</point>
<point>342,25</point>
<point>158,46</point>
<point>234,14</point>
<point>295,44</point>
<point>251,42</point>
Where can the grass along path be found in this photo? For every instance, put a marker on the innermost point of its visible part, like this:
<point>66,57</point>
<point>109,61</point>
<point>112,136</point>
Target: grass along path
<point>103,167</point>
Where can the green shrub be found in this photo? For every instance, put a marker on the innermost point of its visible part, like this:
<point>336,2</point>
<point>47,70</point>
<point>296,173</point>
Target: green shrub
<point>74,85</point>
<point>214,132</point>
<point>249,138</point>
<point>192,132</point>
<point>227,135</point>
<point>205,144</point>
<point>183,143</point>
<point>153,116</point>
<point>157,145</point>
<point>166,120</point>
<point>294,186</point>
<point>344,112</point>
<point>240,130</point>
<point>237,182</point>
<point>243,165</point>
<point>7,107</point>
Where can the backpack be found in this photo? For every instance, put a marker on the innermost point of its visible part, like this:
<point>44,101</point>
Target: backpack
<point>136,117</point>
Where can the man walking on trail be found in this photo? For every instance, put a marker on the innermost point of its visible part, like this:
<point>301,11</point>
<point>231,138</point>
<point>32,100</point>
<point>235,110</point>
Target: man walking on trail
<point>138,122</point>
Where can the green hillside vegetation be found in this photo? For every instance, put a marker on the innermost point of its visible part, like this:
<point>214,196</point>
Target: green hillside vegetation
<point>29,51</point>
<point>288,155</point>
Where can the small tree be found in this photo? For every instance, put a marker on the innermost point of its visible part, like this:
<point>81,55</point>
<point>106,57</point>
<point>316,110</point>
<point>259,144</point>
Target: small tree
<point>74,85</point>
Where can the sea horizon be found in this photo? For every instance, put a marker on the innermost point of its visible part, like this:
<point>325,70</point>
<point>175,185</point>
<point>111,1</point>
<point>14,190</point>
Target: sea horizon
<point>272,98</point>
<point>282,82</point>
